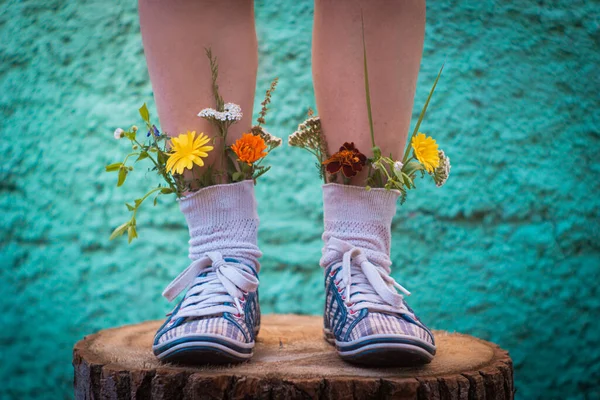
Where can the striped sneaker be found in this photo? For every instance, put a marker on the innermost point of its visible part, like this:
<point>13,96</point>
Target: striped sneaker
<point>217,320</point>
<point>366,319</point>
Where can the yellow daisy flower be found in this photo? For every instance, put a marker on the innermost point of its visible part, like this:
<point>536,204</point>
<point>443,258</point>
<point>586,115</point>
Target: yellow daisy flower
<point>187,149</point>
<point>426,151</point>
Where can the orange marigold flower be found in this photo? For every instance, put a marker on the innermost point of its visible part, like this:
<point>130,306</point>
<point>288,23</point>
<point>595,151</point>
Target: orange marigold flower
<point>249,148</point>
<point>348,159</point>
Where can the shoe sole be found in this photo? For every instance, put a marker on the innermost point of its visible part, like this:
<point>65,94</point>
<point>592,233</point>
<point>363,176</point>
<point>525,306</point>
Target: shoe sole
<point>208,349</point>
<point>384,350</point>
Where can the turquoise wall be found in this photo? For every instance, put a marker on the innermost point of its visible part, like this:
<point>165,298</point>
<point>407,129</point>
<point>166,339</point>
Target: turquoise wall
<point>508,250</point>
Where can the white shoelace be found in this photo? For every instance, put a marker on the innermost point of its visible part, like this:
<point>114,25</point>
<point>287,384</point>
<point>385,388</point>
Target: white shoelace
<point>366,285</point>
<point>224,282</point>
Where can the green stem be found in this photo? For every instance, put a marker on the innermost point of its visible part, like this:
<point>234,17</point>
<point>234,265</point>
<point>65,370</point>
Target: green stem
<point>387,174</point>
<point>129,155</point>
<point>142,200</point>
<point>224,130</point>
<point>159,169</point>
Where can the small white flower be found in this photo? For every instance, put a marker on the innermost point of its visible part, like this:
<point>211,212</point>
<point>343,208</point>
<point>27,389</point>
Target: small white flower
<point>118,133</point>
<point>233,112</point>
<point>207,113</point>
<point>398,167</point>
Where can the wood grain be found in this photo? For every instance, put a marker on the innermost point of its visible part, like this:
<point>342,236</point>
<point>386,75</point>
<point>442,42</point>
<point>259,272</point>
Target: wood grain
<point>291,361</point>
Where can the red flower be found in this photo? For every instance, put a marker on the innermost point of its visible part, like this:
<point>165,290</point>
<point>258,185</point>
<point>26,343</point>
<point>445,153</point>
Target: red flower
<point>348,159</point>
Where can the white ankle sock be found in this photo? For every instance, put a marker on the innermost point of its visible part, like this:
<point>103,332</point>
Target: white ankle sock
<point>361,218</point>
<point>223,218</point>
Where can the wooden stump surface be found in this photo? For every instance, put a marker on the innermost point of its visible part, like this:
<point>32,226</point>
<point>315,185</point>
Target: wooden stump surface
<point>291,360</point>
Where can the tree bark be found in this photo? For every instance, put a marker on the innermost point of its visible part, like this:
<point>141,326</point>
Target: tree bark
<point>291,361</point>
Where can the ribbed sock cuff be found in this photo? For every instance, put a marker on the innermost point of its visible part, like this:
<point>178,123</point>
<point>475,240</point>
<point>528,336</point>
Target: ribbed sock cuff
<point>219,204</point>
<point>359,217</point>
<point>223,218</point>
<point>355,203</point>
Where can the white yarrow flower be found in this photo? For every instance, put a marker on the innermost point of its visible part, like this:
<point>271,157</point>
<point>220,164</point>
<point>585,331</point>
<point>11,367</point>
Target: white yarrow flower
<point>441,173</point>
<point>118,133</point>
<point>270,140</point>
<point>291,139</point>
<point>231,112</point>
<point>309,136</point>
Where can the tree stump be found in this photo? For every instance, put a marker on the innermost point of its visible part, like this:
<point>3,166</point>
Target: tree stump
<point>291,361</point>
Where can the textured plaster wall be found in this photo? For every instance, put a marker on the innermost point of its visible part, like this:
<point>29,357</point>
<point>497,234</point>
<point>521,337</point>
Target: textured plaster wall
<point>507,251</point>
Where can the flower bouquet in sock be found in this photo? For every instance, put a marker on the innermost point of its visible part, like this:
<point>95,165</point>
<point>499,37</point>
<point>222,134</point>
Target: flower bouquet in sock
<point>218,316</point>
<point>179,160</point>
<point>422,155</point>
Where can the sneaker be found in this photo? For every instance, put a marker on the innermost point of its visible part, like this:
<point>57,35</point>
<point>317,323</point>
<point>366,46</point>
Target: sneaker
<point>366,319</point>
<point>218,318</point>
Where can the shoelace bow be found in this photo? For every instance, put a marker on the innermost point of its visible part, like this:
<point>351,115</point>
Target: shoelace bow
<point>366,285</point>
<point>224,282</point>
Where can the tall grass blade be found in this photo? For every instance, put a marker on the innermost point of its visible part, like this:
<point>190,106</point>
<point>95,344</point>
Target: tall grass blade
<point>367,90</point>
<point>422,115</point>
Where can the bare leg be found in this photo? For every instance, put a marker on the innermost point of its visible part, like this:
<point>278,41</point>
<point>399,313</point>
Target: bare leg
<point>222,219</point>
<point>175,34</point>
<point>394,33</point>
<point>358,222</point>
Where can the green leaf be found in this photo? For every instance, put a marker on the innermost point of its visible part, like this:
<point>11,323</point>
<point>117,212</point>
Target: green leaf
<point>143,155</point>
<point>144,113</point>
<point>131,233</point>
<point>166,190</point>
<point>236,176</point>
<point>130,207</point>
<point>261,172</point>
<point>122,176</point>
<point>408,182</point>
<point>161,157</point>
<point>155,201</point>
<point>119,230</point>
<point>138,202</point>
<point>422,115</point>
<point>113,167</point>
<point>412,167</point>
